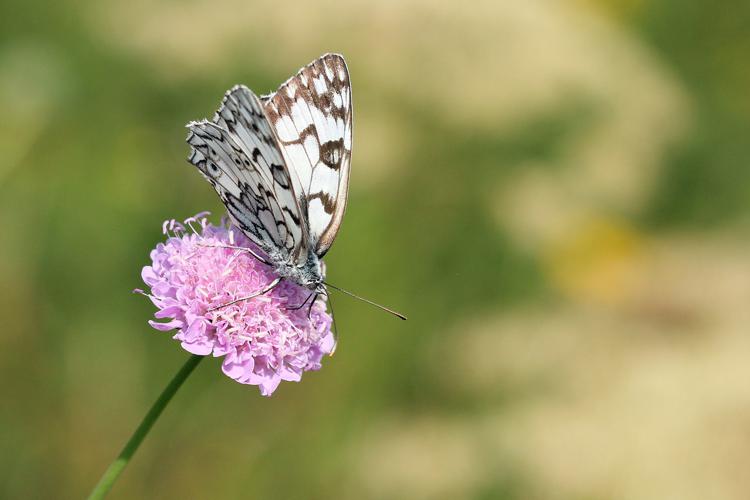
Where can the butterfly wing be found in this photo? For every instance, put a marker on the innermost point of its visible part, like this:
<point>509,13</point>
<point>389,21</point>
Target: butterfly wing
<point>312,116</point>
<point>238,153</point>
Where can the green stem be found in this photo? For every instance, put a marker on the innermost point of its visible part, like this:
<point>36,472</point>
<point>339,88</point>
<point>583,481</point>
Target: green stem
<point>115,469</point>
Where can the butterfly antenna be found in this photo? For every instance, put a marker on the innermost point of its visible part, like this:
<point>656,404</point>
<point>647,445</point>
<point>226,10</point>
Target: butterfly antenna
<point>397,314</point>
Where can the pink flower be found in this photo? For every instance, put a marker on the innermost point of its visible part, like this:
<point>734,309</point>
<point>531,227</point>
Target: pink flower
<point>263,340</point>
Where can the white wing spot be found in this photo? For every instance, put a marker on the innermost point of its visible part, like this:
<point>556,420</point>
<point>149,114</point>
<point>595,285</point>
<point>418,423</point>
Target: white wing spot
<point>318,216</point>
<point>300,119</point>
<point>320,124</point>
<point>324,179</point>
<point>332,131</point>
<point>291,89</point>
<point>312,149</point>
<point>298,159</point>
<point>340,127</point>
<point>285,129</point>
<point>320,85</point>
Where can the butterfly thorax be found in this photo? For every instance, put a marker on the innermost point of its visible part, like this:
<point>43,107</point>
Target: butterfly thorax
<point>309,275</point>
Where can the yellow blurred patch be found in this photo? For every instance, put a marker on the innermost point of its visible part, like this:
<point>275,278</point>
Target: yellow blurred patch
<point>597,262</point>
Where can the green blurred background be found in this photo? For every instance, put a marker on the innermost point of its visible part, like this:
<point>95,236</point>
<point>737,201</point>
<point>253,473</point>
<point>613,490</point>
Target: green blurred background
<point>555,192</point>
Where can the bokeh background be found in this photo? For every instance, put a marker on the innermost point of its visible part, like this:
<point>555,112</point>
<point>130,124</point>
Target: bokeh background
<point>555,192</point>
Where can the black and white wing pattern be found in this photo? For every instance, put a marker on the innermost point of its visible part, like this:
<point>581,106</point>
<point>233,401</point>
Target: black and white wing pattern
<point>312,117</point>
<point>239,154</point>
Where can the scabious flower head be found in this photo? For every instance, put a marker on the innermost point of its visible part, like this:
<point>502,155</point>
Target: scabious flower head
<point>263,340</point>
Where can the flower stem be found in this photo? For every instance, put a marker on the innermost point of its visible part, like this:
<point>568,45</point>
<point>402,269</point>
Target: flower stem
<point>115,469</point>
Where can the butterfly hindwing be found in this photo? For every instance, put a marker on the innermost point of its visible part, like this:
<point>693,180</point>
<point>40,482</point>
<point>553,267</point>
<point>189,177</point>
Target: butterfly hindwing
<point>312,117</point>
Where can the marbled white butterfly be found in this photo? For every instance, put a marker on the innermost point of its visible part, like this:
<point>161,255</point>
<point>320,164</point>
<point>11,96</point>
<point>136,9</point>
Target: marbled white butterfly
<point>280,164</point>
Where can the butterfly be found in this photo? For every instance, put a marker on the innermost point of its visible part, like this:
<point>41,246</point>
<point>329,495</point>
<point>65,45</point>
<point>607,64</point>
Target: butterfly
<point>280,164</point>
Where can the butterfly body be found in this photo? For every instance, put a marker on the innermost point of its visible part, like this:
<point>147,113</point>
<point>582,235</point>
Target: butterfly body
<point>280,164</point>
<point>309,275</point>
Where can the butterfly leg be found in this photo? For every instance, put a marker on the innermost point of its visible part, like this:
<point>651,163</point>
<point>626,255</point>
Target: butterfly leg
<point>312,303</point>
<point>297,308</point>
<point>232,247</point>
<point>264,291</point>
<point>313,295</point>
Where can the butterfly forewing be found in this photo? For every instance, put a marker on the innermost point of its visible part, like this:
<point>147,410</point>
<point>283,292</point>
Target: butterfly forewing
<point>312,116</point>
<point>239,155</point>
<point>242,116</point>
